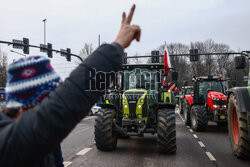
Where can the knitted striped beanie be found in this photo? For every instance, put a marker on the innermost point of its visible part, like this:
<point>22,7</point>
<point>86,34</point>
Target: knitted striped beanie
<point>30,80</point>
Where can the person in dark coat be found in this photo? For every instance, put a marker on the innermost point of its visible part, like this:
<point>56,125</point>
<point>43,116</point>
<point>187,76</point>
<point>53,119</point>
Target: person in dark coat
<point>30,80</point>
<point>38,131</point>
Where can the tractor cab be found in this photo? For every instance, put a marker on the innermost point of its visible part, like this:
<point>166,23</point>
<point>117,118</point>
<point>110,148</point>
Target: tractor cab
<point>142,80</point>
<point>209,91</point>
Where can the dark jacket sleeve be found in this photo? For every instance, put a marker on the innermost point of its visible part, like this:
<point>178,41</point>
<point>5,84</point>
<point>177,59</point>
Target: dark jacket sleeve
<point>38,131</point>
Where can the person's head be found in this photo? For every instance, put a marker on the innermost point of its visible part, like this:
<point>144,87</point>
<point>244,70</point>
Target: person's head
<point>30,80</point>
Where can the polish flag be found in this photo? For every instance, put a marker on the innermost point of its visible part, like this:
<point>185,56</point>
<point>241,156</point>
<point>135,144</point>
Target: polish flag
<point>167,63</point>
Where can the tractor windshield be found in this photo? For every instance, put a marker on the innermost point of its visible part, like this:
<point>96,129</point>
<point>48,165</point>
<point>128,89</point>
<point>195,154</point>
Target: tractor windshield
<point>140,78</point>
<point>210,85</point>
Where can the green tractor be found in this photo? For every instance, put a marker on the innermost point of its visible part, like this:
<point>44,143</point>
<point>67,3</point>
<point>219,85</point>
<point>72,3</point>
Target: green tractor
<point>239,114</point>
<point>139,104</point>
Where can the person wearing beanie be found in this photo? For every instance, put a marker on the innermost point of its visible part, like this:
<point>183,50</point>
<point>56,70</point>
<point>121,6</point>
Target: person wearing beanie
<point>27,140</point>
<point>30,80</point>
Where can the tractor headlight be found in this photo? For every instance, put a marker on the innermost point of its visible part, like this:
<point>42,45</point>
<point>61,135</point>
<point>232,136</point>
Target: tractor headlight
<point>139,106</point>
<point>126,115</point>
<point>125,106</point>
<point>224,106</point>
<point>215,106</point>
<point>124,101</point>
<point>139,116</point>
<point>141,100</point>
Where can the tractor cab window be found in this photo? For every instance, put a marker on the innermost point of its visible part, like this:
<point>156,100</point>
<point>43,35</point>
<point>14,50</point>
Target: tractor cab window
<point>209,85</point>
<point>142,79</point>
<point>189,91</point>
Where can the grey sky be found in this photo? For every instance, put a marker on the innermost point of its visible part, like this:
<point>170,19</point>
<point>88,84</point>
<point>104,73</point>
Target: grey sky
<point>71,23</point>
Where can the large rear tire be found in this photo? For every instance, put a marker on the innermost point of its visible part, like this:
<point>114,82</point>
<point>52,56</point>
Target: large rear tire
<point>238,130</point>
<point>186,111</point>
<point>166,131</point>
<point>199,118</point>
<point>105,137</point>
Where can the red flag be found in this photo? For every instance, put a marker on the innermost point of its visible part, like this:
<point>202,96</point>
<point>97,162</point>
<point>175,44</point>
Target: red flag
<point>167,63</point>
<point>164,81</point>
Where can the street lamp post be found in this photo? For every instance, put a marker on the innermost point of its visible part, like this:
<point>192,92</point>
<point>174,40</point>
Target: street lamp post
<point>44,21</point>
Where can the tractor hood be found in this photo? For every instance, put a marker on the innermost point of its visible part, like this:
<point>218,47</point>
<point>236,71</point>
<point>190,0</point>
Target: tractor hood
<point>216,95</point>
<point>135,103</point>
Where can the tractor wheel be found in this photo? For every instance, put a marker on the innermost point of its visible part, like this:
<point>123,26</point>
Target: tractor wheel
<point>238,130</point>
<point>199,118</point>
<point>105,137</point>
<point>186,111</point>
<point>166,132</point>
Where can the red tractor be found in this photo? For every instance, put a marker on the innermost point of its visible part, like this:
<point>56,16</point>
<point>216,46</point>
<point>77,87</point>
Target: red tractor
<point>186,90</point>
<point>207,103</point>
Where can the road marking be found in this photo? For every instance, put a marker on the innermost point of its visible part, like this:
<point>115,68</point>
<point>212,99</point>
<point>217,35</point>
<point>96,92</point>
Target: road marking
<point>191,130</point>
<point>66,163</point>
<point>84,151</point>
<point>195,136</point>
<point>201,144</point>
<point>188,127</point>
<point>210,156</point>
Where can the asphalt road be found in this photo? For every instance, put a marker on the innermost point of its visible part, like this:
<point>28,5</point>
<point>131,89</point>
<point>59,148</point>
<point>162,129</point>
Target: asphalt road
<point>205,149</point>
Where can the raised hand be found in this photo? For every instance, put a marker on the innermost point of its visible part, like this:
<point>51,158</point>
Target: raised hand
<point>128,32</point>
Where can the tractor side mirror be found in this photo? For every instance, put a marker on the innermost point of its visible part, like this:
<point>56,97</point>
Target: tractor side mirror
<point>174,76</point>
<point>240,62</point>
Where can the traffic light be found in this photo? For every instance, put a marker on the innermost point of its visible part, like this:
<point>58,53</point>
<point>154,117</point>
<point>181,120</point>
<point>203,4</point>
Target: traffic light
<point>68,56</point>
<point>125,60</point>
<point>26,49</point>
<point>49,51</point>
<point>194,55</point>
<point>155,56</point>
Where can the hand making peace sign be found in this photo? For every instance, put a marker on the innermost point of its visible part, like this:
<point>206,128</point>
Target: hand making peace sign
<point>128,32</point>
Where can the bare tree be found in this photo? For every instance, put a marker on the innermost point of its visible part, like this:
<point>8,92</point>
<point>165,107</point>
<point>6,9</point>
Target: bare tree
<point>135,60</point>
<point>86,51</point>
<point>3,68</point>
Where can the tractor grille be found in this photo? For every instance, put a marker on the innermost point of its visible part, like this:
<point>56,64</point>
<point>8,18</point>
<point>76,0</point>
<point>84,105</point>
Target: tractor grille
<point>133,98</point>
<point>219,102</point>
